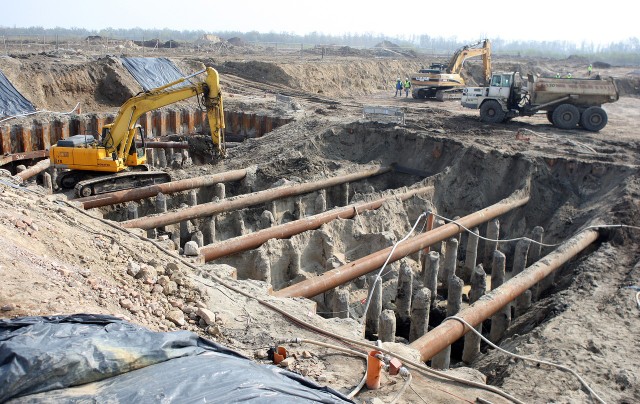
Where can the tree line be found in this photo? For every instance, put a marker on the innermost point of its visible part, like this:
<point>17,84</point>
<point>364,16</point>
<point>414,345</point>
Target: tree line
<point>621,52</point>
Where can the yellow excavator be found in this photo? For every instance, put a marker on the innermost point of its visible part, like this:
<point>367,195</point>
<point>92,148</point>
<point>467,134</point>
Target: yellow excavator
<point>115,161</point>
<point>443,81</point>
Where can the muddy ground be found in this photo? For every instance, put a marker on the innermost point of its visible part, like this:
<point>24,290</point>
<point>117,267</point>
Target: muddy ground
<point>57,259</point>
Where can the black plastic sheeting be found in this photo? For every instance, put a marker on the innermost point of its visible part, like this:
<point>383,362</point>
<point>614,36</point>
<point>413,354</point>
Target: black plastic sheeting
<point>153,72</point>
<point>11,101</point>
<point>98,358</point>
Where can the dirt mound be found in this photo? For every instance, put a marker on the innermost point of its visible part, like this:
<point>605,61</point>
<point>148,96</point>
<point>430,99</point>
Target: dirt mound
<point>257,71</point>
<point>235,41</point>
<point>387,44</point>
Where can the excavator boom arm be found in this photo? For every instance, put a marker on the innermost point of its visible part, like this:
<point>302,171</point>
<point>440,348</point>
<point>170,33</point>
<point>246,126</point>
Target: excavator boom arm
<point>122,131</point>
<point>482,48</point>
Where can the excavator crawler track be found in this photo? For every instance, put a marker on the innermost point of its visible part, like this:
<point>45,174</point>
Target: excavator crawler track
<point>120,181</point>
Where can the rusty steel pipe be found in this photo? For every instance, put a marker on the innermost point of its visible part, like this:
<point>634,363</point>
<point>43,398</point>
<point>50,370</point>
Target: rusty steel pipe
<point>341,275</point>
<point>243,201</point>
<point>449,331</point>
<point>164,145</point>
<point>34,169</point>
<point>135,194</point>
<point>254,240</point>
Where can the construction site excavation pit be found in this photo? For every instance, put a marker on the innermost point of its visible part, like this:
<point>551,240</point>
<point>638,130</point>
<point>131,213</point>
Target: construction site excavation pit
<point>423,182</point>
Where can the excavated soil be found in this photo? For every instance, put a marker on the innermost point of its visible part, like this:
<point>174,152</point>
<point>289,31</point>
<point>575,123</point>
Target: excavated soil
<point>58,259</point>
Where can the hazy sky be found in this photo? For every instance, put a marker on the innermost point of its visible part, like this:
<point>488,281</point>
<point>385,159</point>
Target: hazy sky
<point>467,20</point>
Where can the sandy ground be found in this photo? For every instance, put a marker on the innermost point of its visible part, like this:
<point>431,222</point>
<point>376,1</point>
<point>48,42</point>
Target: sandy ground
<point>56,259</point>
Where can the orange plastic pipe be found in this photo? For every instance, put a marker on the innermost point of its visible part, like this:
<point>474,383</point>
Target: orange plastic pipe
<point>374,366</point>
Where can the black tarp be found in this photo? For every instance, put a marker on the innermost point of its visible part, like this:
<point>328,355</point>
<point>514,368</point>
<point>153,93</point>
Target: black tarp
<point>11,101</point>
<point>97,358</point>
<point>151,73</point>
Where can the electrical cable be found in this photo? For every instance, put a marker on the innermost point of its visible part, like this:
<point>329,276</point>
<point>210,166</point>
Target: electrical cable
<point>377,278</point>
<point>406,384</point>
<point>337,348</point>
<point>561,367</point>
<point>38,112</point>
<point>602,226</point>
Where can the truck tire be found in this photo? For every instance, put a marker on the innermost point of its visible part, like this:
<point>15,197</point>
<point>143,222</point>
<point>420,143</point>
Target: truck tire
<point>491,112</point>
<point>593,119</point>
<point>566,116</point>
<point>550,116</point>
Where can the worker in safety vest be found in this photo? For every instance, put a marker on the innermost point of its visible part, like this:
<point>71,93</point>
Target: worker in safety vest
<point>407,86</point>
<point>589,69</point>
<point>398,87</point>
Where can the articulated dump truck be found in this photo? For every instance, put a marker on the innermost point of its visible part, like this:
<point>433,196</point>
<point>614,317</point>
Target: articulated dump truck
<point>567,102</point>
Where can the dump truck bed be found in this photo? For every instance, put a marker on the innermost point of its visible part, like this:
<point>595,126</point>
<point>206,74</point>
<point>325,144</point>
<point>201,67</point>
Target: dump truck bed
<point>583,92</point>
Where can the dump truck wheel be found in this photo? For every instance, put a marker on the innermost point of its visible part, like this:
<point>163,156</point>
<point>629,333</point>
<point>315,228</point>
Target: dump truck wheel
<point>566,116</point>
<point>593,119</point>
<point>550,116</point>
<point>491,112</point>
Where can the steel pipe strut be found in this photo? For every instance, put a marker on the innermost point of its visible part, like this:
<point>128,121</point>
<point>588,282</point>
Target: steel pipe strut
<point>34,169</point>
<point>135,194</point>
<point>341,275</point>
<point>449,331</point>
<point>243,201</point>
<point>254,240</point>
<point>164,145</point>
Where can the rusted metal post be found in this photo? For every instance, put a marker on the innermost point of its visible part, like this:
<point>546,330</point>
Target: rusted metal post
<point>34,169</point>
<point>253,240</point>
<point>449,331</point>
<point>331,279</point>
<point>243,201</point>
<point>166,188</point>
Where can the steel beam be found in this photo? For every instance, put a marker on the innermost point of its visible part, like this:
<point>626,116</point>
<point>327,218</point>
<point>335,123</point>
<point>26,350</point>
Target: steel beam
<point>341,275</point>
<point>243,201</point>
<point>153,190</point>
<point>449,331</point>
<point>254,240</point>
